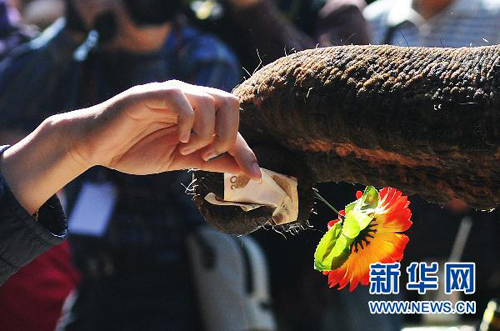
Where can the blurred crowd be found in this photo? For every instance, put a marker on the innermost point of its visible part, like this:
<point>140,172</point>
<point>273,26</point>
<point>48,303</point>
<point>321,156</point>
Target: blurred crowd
<point>140,257</point>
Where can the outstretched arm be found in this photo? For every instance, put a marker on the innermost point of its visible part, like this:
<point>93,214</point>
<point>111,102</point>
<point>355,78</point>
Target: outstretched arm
<point>147,129</point>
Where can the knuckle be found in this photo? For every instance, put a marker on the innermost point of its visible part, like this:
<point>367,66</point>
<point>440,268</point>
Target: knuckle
<point>231,103</point>
<point>206,102</point>
<point>234,103</point>
<point>173,91</point>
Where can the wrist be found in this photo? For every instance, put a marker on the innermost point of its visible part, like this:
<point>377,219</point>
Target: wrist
<point>40,165</point>
<point>69,130</point>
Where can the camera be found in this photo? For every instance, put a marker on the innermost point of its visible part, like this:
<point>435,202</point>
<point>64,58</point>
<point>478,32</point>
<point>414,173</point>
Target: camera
<point>152,12</point>
<point>142,13</point>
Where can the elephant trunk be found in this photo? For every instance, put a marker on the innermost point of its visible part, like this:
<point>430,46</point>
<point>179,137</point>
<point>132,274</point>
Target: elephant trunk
<point>423,120</point>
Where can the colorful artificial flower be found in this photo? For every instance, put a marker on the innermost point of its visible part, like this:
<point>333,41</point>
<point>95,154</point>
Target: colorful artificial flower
<point>369,230</point>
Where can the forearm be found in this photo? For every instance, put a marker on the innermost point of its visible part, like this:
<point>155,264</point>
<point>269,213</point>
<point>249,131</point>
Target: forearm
<point>40,164</point>
<point>140,131</point>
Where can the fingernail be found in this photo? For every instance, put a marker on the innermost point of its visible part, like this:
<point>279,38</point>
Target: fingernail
<point>210,156</point>
<point>255,170</point>
<point>188,150</point>
<point>185,137</point>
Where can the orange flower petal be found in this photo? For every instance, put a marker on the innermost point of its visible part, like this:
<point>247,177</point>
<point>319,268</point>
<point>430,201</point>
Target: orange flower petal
<point>386,246</point>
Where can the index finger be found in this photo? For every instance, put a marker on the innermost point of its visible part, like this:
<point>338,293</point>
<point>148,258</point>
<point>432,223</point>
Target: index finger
<point>245,157</point>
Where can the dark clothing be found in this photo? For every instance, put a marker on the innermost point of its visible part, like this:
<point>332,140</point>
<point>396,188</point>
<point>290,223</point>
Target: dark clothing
<point>271,29</point>
<point>279,26</point>
<point>24,237</point>
<point>58,74</point>
<point>142,300</point>
<point>12,32</point>
<point>141,250</point>
<point>260,34</point>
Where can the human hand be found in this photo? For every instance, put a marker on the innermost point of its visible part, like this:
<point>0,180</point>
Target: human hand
<point>159,127</point>
<point>147,129</point>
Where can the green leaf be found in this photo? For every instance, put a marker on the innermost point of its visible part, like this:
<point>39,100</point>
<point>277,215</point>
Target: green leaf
<point>368,201</point>
<point>325,246</point>
<point>370,198</point>
<point>332,251</point>
<point>350,207</point>
<point>363,210</point>
<point>362,218</point>
<point>335,246</point>
<point>340,252</point>
<point>351,227</point>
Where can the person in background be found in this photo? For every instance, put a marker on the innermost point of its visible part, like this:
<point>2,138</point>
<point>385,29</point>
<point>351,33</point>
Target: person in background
<point>42,13</point>
<point>260,31</point>
<point>445,23</point>
<point>435,23</point>
<point>115,134</point>
<point>12,31</point>
<point>135,270</point>
<point>20,297</point>
<point>145,130</point>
